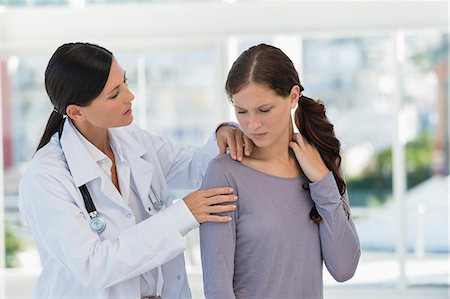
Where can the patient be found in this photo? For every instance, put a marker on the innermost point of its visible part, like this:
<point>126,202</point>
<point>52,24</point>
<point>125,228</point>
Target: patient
<point>292,213</point>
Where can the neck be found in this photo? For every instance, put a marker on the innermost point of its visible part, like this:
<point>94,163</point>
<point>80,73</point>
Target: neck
<point>95,135</point>
<point>278,151</point>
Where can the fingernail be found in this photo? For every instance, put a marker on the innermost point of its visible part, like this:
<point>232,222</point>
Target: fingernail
<point>231,190</point>
<point>234,207</point>
<point>235,197</point>
<point>247,152</point>
<point>229,218</point>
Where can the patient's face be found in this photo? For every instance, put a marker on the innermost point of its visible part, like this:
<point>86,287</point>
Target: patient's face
<point>264,115</point>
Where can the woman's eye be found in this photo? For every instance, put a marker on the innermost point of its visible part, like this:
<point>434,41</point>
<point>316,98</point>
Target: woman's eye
<point>125,80</point>
<point>266,110</point>
<point>115,95</point>
<point>241,112</point>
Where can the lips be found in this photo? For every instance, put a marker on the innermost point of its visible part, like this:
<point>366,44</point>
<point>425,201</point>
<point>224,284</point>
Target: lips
<point>128,111</point>
<point>258,135</point>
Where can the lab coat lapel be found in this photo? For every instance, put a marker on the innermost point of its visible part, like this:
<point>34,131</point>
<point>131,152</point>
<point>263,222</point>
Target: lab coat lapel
<point>141,174</point>
<point>141,170</point>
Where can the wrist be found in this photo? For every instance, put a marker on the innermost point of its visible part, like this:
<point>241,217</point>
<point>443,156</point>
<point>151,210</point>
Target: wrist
<point>227,124</point>
<point>181,216</point>
<point>320,175</point>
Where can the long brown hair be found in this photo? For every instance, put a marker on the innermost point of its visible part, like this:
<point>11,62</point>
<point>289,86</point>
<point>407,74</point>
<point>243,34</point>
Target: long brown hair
<point>268,65</point>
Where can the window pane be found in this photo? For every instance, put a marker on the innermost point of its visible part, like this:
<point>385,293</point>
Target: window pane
<point>181,94</point>
<point>353,77</point>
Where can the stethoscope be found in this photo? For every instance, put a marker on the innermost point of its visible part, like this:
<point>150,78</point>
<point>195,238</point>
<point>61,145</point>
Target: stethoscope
<point>98,223</point>
<point>157,203</point>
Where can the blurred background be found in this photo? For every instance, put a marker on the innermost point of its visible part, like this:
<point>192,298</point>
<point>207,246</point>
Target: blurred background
<point>381,67</point>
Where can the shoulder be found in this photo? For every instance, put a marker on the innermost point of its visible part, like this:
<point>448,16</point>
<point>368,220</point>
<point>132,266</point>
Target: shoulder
<point>224,163</point>
<point>219,173</point>
<point>45,172</point>
<point>224,168</point>
<point>47,159</point>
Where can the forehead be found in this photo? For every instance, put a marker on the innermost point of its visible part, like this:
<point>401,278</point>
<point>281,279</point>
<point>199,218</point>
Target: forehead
<point>255,95</point>
<point>115,76</point>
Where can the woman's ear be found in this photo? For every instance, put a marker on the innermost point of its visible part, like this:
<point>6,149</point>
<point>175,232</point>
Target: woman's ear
<point>294,95</point>
<point>75,112</point>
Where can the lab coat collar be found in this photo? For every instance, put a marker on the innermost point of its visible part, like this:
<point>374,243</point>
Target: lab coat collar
<point>127,144</point>
<point>97,154</point>
<point>117,147</point>
<point>82,161</point>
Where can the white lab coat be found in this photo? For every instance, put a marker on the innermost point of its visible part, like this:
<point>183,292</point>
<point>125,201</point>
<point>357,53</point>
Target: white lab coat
<point>79,263</point>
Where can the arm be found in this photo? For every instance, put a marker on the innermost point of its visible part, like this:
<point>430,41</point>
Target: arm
<point>338,236</point>
<point>184,166</point>
<point>62,231</point>
<point>217,243</point>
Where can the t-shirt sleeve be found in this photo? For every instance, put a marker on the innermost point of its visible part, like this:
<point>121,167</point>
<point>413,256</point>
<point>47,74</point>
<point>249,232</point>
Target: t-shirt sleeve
<point>338,236</point>
<point>218,242</point>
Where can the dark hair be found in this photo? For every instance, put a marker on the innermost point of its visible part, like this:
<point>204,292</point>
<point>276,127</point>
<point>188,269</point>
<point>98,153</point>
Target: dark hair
<point>269,66</point>
<point>75,74</point>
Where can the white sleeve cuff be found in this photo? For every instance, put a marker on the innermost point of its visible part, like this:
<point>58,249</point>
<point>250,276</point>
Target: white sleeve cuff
<point>182,217</point>
<point>227,123</point>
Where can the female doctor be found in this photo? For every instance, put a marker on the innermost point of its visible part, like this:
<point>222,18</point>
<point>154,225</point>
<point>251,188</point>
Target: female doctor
<point>95,194</point>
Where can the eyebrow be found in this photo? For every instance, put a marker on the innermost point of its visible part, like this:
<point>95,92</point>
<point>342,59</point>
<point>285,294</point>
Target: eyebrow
<point>124,76</point>
<point>262,106</point>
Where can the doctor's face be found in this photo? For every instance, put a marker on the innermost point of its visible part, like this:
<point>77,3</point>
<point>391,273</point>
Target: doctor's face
<point>112,108</point>
<point>264,116</point>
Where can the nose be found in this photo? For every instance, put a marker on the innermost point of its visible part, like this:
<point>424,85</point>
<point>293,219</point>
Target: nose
<point>130,95</point>
<point>254,122</point>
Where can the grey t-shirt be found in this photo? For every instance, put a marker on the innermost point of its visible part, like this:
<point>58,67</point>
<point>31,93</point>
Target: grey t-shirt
<point>271,248</point>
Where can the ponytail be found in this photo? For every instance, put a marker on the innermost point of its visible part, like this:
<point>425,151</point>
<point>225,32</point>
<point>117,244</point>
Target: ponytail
<point>53,123</point>
<point>315,127</point>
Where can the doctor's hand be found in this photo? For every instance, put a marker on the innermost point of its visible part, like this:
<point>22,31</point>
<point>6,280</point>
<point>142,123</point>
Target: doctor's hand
<point>308,158</point>
<point>202,203</point>
<point>233,138</point>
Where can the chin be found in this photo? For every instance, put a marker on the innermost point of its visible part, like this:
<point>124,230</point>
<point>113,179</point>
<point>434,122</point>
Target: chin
<point>123,123</point>
<point>129,121</point>
<point>261,143</point>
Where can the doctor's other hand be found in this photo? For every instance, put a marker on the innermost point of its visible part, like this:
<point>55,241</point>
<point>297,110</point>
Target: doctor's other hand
<point>233,138</point>
<point>203,203</point>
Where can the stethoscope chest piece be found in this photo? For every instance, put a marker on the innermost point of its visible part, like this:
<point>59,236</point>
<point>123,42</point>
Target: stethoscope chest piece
<point>97,223</point>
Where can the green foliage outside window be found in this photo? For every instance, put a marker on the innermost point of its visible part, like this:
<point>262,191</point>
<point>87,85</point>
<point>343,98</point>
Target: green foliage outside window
<point>12,246</point>
<point>374,186</point>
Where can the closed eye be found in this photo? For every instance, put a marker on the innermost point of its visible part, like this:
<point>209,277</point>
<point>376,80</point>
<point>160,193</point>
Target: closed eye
<point>114,95</point>
<point>265,110</point>
<point>125,81</point>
